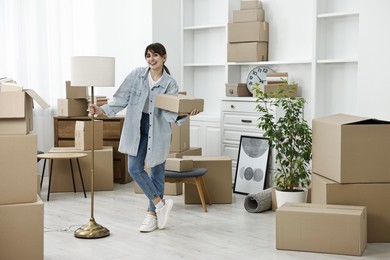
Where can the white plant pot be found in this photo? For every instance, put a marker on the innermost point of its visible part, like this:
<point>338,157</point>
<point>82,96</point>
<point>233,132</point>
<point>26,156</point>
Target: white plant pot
<point>288,196</point>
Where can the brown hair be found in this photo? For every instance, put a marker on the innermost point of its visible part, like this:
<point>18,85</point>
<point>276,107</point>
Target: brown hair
<point>159,49</point>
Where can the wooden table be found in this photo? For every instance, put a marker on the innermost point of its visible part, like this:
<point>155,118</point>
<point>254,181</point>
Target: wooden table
<point>54,156</point>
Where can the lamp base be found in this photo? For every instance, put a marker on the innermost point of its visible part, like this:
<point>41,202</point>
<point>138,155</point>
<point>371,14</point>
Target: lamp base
<point>92,230</point>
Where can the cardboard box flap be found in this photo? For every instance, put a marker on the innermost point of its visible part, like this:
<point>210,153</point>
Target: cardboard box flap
<point>37,98</point>
<point>319,208</point>
<point>341,119</point>
<point>370,121</point>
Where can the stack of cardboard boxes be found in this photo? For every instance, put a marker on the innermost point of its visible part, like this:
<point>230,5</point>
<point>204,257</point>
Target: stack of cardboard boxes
<point>351,167</point>
<point>103,161</point>
<point>21,209</point>
<point>75,103</point>
<point>248,33</point>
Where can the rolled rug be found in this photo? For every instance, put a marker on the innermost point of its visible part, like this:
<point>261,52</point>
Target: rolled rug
<point>259,202</point>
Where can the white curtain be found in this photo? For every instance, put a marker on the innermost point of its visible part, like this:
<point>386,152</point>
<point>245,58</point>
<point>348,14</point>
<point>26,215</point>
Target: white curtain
<point>38,37</point>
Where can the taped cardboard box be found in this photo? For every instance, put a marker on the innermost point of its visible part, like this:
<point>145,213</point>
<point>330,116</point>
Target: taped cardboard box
<point>248,15</point>
<point>180,104</point>
<point>191,151</point>
<point>73,92</point>
<point>83,135</point>
<point>72,107</point>
<point>18,172</point>
<point>103,171</point>
<point>351,149</point>
<point>21,235</point>
<point>248,32</point>
<point>250,4</point>
<point>279,90</point>
<point>370,195</point>
<point>247,51</point>
<point>178,165</point>
<point>218,179</point>
<point>334,229</point>
<point>16,111</point>
<point>180,137</point>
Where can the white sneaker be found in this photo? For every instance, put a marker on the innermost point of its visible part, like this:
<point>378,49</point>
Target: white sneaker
<point>149,224</point>
<point>163,213</point>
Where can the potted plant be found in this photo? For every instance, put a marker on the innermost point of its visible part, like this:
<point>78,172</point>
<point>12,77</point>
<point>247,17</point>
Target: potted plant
<point>290,137</point>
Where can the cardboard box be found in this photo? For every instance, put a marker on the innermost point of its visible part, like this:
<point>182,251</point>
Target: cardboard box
<point>180,137</point>
<point>335,229</point>
<point>180,104</point>
<point>18,170</point>
<point>103,172</point>
<point>16,111</point>
<point>248,4</point>
<point>191,151</point>
<point>237,90</point>
<point>83,135</point>
<point>247,51</point>
<point>218,179</point>
<point>248,32</point>
<point>72,107</point>
<point>172,189</point>
<point>371,195</point>
<point>178,165</point>
<point>73,92</point>
<point>351,149</point>
<point>273,90</point>
<point>21,235</point>
<point>248,15</point>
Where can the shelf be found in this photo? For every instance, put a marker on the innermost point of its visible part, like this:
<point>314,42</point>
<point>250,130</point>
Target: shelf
<point>339,14</point>
<point>204,27</point>
<point>270,62</point>
<point>351,60</point>
<point>203,64</point>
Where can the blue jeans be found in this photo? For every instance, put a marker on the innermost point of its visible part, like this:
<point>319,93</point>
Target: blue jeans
<point>152,185</point>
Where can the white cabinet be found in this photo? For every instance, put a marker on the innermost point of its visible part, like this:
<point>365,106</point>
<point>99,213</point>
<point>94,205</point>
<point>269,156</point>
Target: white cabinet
<point>205,132</point>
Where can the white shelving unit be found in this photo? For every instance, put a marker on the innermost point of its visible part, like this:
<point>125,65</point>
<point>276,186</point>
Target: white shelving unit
<point>335,61</point>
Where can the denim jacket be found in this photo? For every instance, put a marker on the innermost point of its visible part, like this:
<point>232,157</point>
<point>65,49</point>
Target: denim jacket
<point>132,93</point>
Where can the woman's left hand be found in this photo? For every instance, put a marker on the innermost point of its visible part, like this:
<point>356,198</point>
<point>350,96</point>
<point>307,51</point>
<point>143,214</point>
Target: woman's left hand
<point>194,112</point>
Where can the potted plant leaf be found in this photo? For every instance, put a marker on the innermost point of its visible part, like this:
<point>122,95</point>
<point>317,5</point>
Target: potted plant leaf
<point>290,137</point>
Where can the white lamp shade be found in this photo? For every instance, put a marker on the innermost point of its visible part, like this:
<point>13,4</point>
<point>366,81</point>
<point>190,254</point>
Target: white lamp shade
<point>93,71</point>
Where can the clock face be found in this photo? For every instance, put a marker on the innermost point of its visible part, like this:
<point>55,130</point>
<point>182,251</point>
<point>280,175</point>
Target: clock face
<point>257,76</point>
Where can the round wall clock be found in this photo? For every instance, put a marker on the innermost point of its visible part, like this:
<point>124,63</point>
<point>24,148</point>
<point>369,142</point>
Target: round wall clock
<point>257,76</point>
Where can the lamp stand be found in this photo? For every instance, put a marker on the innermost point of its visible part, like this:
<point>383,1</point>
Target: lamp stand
<point>92,229</point>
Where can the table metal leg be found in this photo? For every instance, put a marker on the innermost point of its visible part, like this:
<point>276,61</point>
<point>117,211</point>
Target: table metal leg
<point>81,177</point>
<point>43,172</point>
<point>51,172</point>
<point>71,169</point>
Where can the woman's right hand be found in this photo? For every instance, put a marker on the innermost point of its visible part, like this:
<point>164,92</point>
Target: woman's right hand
<point>95,110</point>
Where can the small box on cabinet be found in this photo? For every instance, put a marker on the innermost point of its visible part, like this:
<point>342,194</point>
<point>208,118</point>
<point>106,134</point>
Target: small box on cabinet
<point>73,92</point>
<point>237,90</point>
<point>72,107</point>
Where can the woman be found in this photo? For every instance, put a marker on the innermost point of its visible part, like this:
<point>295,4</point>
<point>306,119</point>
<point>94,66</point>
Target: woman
<point>146,135</point>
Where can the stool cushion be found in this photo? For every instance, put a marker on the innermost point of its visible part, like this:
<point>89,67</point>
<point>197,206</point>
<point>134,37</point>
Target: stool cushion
<point>195,172</point>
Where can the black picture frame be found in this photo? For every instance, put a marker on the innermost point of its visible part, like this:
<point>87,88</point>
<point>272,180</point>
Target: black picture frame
<point>252,165</point>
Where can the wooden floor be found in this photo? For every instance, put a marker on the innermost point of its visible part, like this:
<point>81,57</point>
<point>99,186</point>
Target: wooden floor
<point>227,231</point>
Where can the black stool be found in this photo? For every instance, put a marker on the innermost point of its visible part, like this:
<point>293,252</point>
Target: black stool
<point>195,176</point>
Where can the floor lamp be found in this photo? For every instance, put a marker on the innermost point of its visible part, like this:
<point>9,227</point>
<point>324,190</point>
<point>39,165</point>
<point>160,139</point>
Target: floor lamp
<point>92,72</point>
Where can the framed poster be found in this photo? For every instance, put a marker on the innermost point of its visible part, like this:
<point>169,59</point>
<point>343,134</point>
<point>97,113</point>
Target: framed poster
<point>252,165</point>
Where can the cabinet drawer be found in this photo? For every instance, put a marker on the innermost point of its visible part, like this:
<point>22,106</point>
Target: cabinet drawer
<point>240,119</point>
<point>237,106</point>
<point>111,129</point>
<point>234,136</point>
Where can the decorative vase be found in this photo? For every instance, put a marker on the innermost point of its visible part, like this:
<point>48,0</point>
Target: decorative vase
<point>297,196</point>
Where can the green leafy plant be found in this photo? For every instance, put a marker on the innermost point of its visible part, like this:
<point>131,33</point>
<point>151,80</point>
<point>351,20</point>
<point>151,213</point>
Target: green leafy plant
<point>289,135</point>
